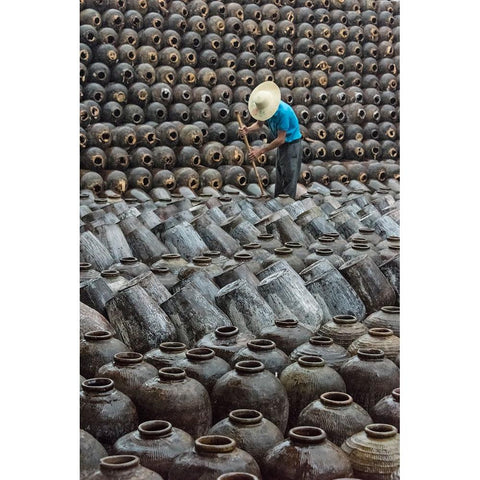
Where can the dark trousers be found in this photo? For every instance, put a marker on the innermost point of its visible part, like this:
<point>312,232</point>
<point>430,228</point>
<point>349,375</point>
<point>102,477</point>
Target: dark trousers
<point>289,162</point>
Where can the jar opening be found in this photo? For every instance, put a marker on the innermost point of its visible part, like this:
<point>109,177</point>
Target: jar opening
<point>127,358</point>
<point>336,399</point>
<point>226,331</point>
<point>97,335</point>
<point>380,430</point>
<point>249,366</point>
<point>172,374</point>
<point>119,462</point>
<point>286,323</point>
<point>155,428</point>
<point>244,416</point>
<point>344,319</point>
<point>307,434</point>
<point>215,444</point>
<point>172,347</point>
<point>261,344</point>
<point>391,309</point>
<point>311,361</point>
<point>199,354</point>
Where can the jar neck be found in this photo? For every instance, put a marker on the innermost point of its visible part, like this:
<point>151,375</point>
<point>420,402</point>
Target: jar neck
<point>98,385</point>
<point>287,323</point>
<point>155,429</point>
<point>283,251</point>
<point>97,335</point>
<point>336,399</point>
<point>245,417</point>
<point>380,431</point>
<point>128,260</point>
<point>307,435</point>
<point>201,261</point>
<point>172,347</point>
<point>226,332</point>
<point>396,394</point>
<point>261,345</point>
<point>117,463</point>
<point>214,444</point>
<point>200,354</point>
<point>370,354</point>
<point>110,273</point>
<point>345,319</point>
<point>391,309</point>
<point>172,374</point>
<point>324,252</point>
<point>322,341</point>
<point>125,359</point>
<point>311,361</point>
<point>249,367</point>
<point>380,332</point>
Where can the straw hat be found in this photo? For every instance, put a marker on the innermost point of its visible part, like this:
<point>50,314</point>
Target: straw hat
<point>264,101</point>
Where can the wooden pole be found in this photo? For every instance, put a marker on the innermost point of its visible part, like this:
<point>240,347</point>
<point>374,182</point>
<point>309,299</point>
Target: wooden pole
<point>247,143</point>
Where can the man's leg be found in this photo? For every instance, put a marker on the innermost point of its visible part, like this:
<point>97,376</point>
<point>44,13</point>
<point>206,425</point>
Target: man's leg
<point>291,168</point>
<point>279,173</point>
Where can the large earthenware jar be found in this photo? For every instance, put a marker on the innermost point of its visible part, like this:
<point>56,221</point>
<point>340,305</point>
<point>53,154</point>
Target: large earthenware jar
<point>168,354</point>
<point>369,376</point>
<point>212,456</point>
<point>375,452</point>
<point>176,398</point>
<point>203,365</point>
<point>343,329</point>
<point>387,410</point>
<point>225,341</point>
<point>106,413</point>
<point>264,351</point>
<point>334,355</point>
<point>97,348</point>
<point>252,432</point>
<point>305,380</point>
<point>287,334</point>
<point>91,451</point>
<point>387,317</point>
<point>306,454</point>
<point>123,467</point>
<point>130,267</point>
<point>128,371</point>
<point>378,337</point>
<point>337,414</point>
<point>157,443</point>
<point>251,386</point>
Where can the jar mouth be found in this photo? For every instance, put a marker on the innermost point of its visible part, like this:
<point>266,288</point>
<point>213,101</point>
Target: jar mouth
<point>286,323</point>
<point>336,399</point>
<point>370,354</point>
<point>226,331</point>
<point>170,256</point>
<point>345,319</point>
<point>307,434</point>
<point>396,394</point>
<point>311,361</point>
<point>245,416</point>
<point>243,256</point>
<point>215,444</point>
<point>212,253</point>
<point>96,335</point>
<point>172,374</point>
<point>360,246</point>
<point>380,430</point>
<point>119,462</point>
<point>393,238</point>
<point>321,340</point>
<point>293,245</point>
<point>85,266</point>
<point>265,236</point>
<point>261,344</point>
<point>200,354</point>
<point>366,231</point>
<point>325,239</point>
<point>175,347</point>
<point>249,367</point>
<point>331,235</point>
<point>160,270</point>
<point>155,428</point>
<point>128,260</point>
<point>98,385</point>
<point>110,273</point>
<point>201,260</point>
<point>324,251</point>
<point>251,246</point>
<point>380,332</point>
<point>127,358</point>
<point>283,250</point>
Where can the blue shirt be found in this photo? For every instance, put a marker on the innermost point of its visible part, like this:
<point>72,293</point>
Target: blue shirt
<point>285,119</point>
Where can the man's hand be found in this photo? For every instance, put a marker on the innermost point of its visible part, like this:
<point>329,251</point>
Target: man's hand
<point>254,153</point>
<point>243,131</point>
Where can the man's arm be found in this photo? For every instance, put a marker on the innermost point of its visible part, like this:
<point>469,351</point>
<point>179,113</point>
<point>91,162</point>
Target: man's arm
<point>252,128</point>
<point>257,151</point>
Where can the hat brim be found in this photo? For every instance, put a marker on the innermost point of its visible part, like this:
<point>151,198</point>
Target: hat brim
<point>271,108</point>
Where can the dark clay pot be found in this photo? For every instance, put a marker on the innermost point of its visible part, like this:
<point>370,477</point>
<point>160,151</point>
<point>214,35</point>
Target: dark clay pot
<point>204,366</point>
<point>252,432</point>
<point>176,398</point>
<point>91,451</point>
<point>305,380</point>
<point>156,443</point>
<point>287,334</point>
<point>97,348</point>
<point>212,456</point>
<point>130,267</point>
<point>337,414</point>
<point>225,341</point>
<point>128,371</point>
<point>387,410</point>
<point>168,354</point>
<point>250,385</point>
<point>379,337</point>
<point>306,454</point>
<point>343,329</point>
<point>106,413</point>
<point>123,467</point>
<point>334,355</point>
<point>264,351</point>
<point>387,317</point>
<point>369,376</point>
<point>374,453</point>
<point>91,320</point>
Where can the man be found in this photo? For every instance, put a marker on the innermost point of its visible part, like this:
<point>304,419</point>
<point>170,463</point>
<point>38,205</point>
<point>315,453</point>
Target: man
<point>265,106</point>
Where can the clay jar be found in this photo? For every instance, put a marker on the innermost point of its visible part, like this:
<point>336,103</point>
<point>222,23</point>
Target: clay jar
<point>305,380</point>
<point>382,338</point>
<point>264,351</point>
<point>343,329</point>
<point>251,386</point>
<point>286,254</point>
<point>130,267</point>
<point>106,413</point>
<point>212,456</point>
<point>176,398</point>
<point>369,376</point>
<point>91,451</point>
<point>168,354</point>
<point>386,317</point>
<point>252,432</point>
<point>123,467</point>
<point>334,355</point>
<point>97,348</point>
<point>387,410</point>
<point>225,341</point>
<point>157,443</point>
<point>204,366</point>
<point>374,453</point>
<point>308,451</point>
<point>337,414</point>
<point>128,371</point>
<point>287,334</point>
